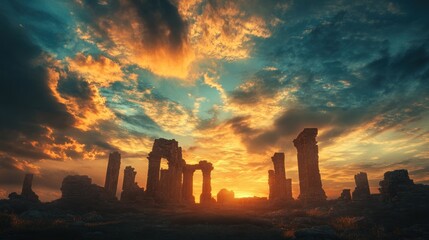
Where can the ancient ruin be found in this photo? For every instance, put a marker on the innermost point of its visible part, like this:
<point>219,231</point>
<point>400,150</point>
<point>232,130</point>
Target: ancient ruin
<point>361,191</point>
<point>79,191</point>
<point>188,182</point>
<point>166,185</point>
<point>188,176</point>
<point>27,191</point>
<point>131,191</point>
<point>310,182</point>
<point>171,178</point>
<point>345,195</point>
<point>206,195</point>
<point>112,174</point>
<point>280,187</point>
<point>395,182</point>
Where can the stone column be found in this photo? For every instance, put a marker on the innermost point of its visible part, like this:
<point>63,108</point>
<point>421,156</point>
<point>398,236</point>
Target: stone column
<point>153,174</point>
<point>206,195</point>
<point>361,191</point>
<point>27,191</point>
<point>280,175</point>
<point>310,182</point>
<point>112,174</point>
<point>188,184</point>
<point>129,178</point>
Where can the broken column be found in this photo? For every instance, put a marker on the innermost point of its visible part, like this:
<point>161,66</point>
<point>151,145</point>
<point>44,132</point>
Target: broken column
<point>27,191</point>
<point>206,195</point>
<point>130,189</point>
<point>310,182</point>
<point>361,191</point>
<point>112,174</point>
<point>280,187</point>
<point>188,183</point>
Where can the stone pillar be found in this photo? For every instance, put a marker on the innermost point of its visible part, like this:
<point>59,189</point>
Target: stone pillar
<point>153,174</point>
<point>129,179</point>
<point>188,184</point>
<point>206,195</point>
<point>288,189</point>
<point>279,174</point>
<point>112,174</point>
<point>361,191</point>
<point>310,182</point>
<point>27,191</point>
<point>271,184</point>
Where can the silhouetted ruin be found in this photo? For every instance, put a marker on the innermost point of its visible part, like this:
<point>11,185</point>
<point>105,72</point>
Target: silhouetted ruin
<point>310,182</point>
<point>361,191</point>
<point>112,174</point>
<point>345,195</point>
<point>225,197</point>
<point>206,194</point>
<point>165,185</point>
<point>280,187</point>
<point>27,192</point>
<point>394,183</point>
<point>170,190</point>
<point>79,192</point>
<point>131,191</point>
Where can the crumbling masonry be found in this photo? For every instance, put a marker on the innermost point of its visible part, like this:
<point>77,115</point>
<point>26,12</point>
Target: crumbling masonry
<point>112,174</point>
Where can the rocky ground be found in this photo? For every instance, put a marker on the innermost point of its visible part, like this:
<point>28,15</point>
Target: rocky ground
<point>333,220</point>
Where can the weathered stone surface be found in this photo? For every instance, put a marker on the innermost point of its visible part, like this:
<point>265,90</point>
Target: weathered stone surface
<point>345,195</point>
<point>79,192</point>
<point>361,191</point>
<point>112,174</point>
<point>280,187</point>
<point>169,187</point>
<point>27,192</point>
<point>310,182</point>
<point>206,195</point>
<point>225,197</point>
<point>131,191</point>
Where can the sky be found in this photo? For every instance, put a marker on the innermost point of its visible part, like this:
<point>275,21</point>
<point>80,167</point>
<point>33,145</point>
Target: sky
<point>232,81</point>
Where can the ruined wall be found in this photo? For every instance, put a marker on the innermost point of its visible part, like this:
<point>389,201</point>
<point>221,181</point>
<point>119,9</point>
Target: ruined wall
<point>79,192</point>
<point>310,182</point>
<point>112,174</point>
<point>131,191</point>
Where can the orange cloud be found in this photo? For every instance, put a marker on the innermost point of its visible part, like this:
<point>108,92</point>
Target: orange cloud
<point>101,70</point>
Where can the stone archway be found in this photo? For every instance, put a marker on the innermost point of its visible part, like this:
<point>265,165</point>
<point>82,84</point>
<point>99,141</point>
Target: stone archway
<point>167,187</point>
<point>188,176</point>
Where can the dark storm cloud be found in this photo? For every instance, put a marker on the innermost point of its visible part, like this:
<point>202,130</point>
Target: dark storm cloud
<point>30,112</point>
<point>26,102</point>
